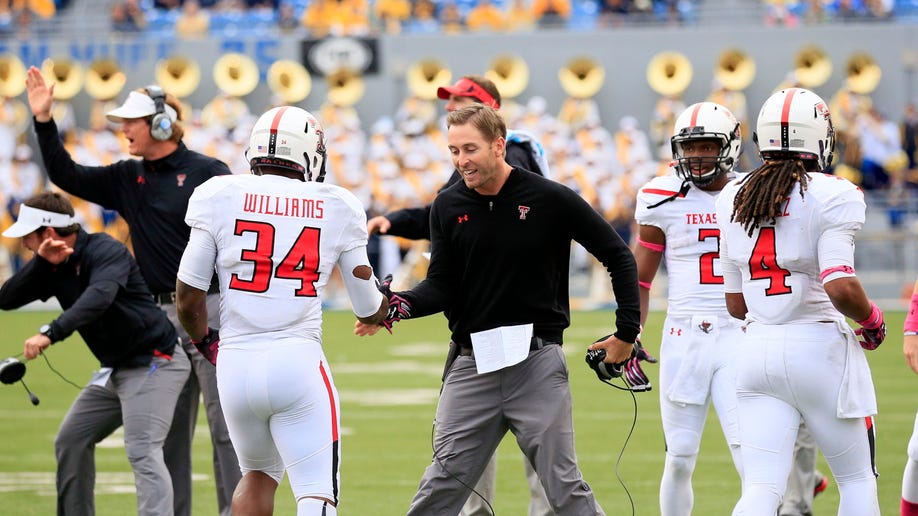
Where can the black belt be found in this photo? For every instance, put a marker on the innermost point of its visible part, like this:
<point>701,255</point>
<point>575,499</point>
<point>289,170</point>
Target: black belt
<point>535,344</point>
<point>168,298</point>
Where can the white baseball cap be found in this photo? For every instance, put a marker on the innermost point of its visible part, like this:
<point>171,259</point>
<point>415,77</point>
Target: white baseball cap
<point>31,219</point>
<point>138,105</point>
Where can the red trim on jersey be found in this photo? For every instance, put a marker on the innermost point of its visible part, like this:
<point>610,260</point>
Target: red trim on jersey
<point>662,192</point>
<point>694,119</point>
<point>785,117</point>
<point>272,138</point>
<point>908,508</point>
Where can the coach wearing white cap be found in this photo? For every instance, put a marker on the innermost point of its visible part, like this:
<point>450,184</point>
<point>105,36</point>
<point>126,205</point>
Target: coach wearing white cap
<point>104,298</point>
<point>151,194</point>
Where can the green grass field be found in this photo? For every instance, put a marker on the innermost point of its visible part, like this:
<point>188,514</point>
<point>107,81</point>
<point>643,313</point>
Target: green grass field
<point>388,386</point>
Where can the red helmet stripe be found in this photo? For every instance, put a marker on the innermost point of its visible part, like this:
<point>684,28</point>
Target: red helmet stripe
<point>785,118</point>
<point>272,136</point>
<point>694,120</point>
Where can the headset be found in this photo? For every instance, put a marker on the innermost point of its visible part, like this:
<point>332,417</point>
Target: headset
<point>161,124</point>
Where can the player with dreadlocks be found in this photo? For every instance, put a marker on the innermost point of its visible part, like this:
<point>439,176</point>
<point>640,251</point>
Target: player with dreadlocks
<point>787,253</point>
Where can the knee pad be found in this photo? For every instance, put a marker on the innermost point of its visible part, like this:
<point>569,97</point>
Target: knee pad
<point>683,443</point>
<point>680,465</point>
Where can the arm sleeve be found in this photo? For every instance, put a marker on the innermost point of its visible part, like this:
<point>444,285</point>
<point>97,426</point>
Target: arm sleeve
<point>109,268</point>
<point>432,294</point>
<point>26,285</point>
<point>365,298</point>
<point>603,242</point>
<point>94,184</point>
<point>842,217</point>
<point>197,266</point>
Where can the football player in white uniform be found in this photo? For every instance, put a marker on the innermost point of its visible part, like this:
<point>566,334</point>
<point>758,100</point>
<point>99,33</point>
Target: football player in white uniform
<point>677,223</point>
<point>274,238</point>
<point>787,253</point>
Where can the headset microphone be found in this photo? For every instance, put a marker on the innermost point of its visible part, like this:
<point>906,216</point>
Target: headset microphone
<point>32,397</point>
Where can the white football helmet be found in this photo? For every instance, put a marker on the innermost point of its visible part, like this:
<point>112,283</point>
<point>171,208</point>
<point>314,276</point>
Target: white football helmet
<point>706,121</point>
<point>291,138</point>
<point>795,123</point>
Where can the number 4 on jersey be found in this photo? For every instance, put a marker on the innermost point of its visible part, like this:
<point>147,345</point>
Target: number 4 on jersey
<point>763,264</point>
<point>300,263</point>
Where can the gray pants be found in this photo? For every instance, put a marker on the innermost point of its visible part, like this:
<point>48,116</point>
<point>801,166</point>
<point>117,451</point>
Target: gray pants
<point>143,400</point>
<point>486,487</point>
<point>533,400</point>
<point>203,380</point>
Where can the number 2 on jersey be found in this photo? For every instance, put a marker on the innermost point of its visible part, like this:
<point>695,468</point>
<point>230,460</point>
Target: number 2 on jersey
<point>300,263</point>
<point>763,264</point>
<point>706,260</point>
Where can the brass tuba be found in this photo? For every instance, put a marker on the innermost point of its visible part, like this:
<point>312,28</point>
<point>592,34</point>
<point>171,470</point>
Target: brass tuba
<point>582,77</point>
<point>178,75</point>
<point>669,73</point>
<point>104,79</point>
<point>735,70</point>
<point>13,112</point>
<point>235,74</point>
<point>425,76</point>
<point>510,74</point>
<point>12,76</point>
<point>812,67</point>
<point>289,80</point>
<point>66,74</point>
<point>862,73</point>
<point>345,87</point>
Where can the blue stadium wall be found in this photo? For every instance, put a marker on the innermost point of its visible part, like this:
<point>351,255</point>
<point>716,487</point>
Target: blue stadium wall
<point>623,52</point>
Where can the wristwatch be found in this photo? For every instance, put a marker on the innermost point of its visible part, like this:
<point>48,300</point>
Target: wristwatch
<point>46,331</point>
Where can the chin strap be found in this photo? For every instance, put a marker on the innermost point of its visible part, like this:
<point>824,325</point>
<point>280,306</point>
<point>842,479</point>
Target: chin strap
<point>686,185</point>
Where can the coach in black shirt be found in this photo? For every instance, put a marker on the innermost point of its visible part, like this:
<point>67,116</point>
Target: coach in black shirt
<point>500,244</point>
<point>104,297</point>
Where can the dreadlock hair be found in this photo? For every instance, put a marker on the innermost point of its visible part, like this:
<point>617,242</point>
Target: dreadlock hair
<point>761,197</point>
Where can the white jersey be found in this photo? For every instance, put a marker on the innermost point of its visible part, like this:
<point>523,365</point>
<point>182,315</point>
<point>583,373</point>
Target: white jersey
<point>692,238</point>
<point>781,268</point>
<point>277,241</point>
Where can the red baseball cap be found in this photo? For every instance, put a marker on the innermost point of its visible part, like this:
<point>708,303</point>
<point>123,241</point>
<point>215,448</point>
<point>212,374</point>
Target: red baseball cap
<point>468,88</point>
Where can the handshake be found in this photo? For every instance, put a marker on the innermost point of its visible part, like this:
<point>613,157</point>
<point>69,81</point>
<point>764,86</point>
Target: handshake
<point>630,369</point>
<point>399,307</point>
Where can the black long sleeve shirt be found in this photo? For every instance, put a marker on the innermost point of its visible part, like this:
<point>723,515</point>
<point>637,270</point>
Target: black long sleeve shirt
<point>152,196</point>
<point>104,298</point>
<point>414,223</point>
<point>504,259</point>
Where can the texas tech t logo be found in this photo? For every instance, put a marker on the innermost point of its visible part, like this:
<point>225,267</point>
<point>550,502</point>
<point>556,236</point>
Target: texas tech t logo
<point>523,211</point>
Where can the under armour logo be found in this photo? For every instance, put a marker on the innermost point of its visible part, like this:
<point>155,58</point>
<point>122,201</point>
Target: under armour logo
<point>705,326</point>
<point>46,220</point>
<point>675,331</point>
<point>181,179</point>
<point>141,180</point>
<point>463,218</point>
<point>523,211</point>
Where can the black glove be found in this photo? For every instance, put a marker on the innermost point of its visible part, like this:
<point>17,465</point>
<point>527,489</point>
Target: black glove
<point>209,345</point>
<point>399,307</point>
<point>634,375</point>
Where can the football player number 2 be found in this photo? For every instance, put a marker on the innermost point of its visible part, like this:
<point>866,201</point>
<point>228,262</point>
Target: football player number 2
<point>706,260</point>
<point>301,262</point>
<point>763,264</point>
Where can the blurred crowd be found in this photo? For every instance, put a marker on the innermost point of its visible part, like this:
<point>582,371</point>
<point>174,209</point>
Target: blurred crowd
<point>317,18</point>
<point>401,160</point>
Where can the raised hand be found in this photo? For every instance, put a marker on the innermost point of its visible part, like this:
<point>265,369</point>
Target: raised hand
<point>40,94</point>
